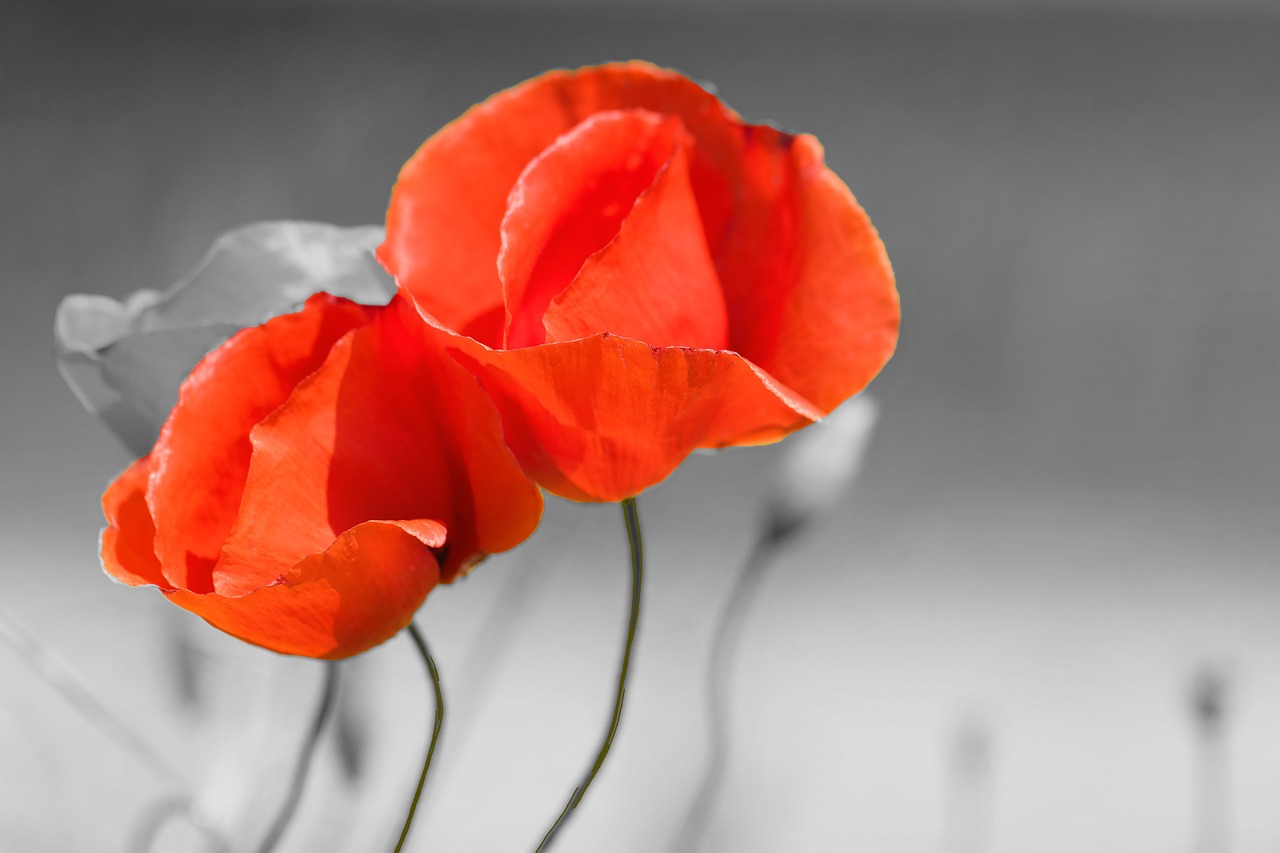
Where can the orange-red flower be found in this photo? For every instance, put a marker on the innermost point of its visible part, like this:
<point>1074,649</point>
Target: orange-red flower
<point>320,474</point>
<point>632,272</point>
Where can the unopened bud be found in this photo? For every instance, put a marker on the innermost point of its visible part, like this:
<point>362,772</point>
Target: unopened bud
<point>819,465</point>
<point>1209,696</point>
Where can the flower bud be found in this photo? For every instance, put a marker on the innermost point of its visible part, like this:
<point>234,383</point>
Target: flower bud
<point>819,465</point>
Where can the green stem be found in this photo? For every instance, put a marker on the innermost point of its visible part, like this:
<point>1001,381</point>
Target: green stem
<point>421,643</point>
<point>290,807</point>
<point>725,641</point>
<point>632,518</point>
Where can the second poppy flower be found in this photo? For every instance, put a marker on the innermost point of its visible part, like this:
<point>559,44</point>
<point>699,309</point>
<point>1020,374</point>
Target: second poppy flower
<point>320,474</point>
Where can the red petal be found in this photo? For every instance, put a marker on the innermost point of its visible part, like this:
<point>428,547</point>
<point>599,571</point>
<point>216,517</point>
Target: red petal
<point>358,593</point>
<point>604,418</point>
<point>128,541</point>
<point>388,428</point>
<point>202,456</point>
<point>829,355</point>
<point>809,289</point>
<point>446,211</point>
<point>604,229</point>
<point>568,204</point>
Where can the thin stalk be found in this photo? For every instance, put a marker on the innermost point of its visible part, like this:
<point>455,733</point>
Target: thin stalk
<point>632,518</point>
<point>289,808</point>
<point>421,643</point>
<point>726,640</point>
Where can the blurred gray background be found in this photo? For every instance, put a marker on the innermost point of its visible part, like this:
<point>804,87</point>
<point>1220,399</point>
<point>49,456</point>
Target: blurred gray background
<point>1069,507</point>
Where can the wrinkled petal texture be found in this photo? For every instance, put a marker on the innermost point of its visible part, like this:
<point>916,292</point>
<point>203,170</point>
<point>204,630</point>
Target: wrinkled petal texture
<point>359,592</point>
<point>388,428</point>
<point>607,439</point>
<point>603,234</point>
<point>625,199</point>
<point>201,459</point>
<point>355,594</point>
<point>320,475</point>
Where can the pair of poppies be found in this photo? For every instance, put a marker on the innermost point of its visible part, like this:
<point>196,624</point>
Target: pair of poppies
<point>596,272</point>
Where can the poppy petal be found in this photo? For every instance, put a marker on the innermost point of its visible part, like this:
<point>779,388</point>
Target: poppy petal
<point>810,293</point>
<point>357,593</point>
<point>829,355</point>
<point>808,297</point>
<point>447,207</point>
<point>569,203</point>
<point>206,438</point>
<point>388,428</point>
<point>128,540</point>
<point>601,419</point>
<point>653,279</point>
<point>788,238</point>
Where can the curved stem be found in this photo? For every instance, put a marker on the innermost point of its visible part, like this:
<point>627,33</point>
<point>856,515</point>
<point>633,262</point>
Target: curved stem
<point>289,808</point>
<point>421,643</point>
<point>632,518</point>
<point>725,641</point>
<point>555,827</point>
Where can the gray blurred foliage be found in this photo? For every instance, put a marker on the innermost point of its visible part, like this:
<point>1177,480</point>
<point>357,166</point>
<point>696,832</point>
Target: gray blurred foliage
<point>126,359</point>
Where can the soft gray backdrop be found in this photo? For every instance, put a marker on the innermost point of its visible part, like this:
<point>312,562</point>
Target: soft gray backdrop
<point>1070,504</point>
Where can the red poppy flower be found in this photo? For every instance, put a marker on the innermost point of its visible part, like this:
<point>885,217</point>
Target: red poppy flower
<point>320,474</point>
<point>632,272</point>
